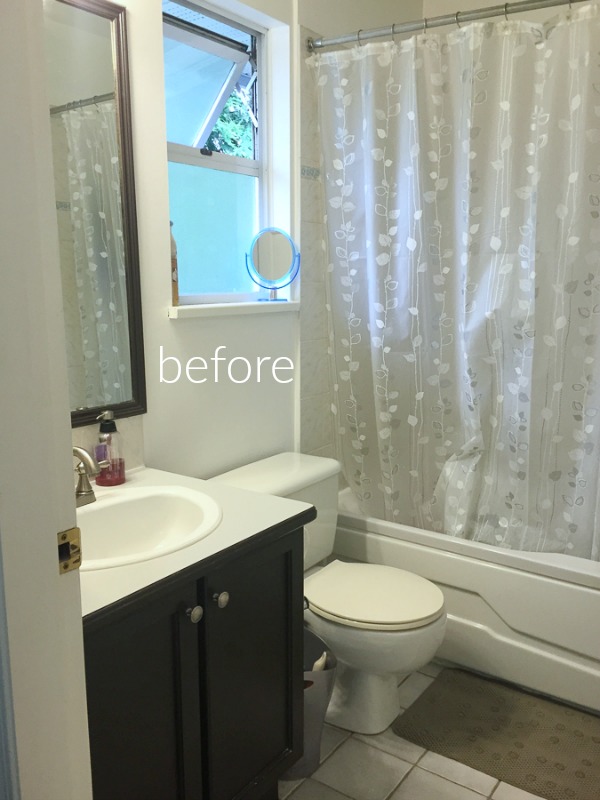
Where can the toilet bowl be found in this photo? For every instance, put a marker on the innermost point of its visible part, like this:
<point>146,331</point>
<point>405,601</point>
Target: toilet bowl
<point>380,621</point>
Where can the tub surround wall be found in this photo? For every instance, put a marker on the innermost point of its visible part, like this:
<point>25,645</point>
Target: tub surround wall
<point>316,421</point>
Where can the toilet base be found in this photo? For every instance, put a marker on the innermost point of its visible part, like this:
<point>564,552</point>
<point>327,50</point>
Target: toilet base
<point>363,702</point>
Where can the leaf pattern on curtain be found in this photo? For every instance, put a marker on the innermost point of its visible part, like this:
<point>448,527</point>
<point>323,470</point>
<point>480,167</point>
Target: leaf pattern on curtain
<point>95,207</point>
<point>462,179</point>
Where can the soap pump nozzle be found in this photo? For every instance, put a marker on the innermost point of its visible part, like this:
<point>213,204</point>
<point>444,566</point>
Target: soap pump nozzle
<point>106,415</point>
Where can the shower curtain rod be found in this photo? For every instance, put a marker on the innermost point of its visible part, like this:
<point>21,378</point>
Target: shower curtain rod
<point>457,18</point>
<point>89,101</point>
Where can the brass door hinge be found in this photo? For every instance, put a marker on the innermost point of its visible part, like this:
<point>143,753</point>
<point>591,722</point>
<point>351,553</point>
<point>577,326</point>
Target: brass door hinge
<point>69,550</point>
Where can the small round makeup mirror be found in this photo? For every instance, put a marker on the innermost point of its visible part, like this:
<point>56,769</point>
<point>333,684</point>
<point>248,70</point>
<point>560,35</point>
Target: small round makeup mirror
<point>273,261</point>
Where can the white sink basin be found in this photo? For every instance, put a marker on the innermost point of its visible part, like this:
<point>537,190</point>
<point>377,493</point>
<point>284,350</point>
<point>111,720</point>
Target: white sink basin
<point>136,524</point>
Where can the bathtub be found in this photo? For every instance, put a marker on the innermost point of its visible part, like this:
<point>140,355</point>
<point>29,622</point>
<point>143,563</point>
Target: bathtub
<point>529,618</point>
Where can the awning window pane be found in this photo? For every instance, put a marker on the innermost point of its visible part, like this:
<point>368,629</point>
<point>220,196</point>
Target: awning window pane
<point>199,78</point>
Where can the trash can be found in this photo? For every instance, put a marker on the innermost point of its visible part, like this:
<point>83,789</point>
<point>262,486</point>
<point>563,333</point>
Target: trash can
<point>318,686</point>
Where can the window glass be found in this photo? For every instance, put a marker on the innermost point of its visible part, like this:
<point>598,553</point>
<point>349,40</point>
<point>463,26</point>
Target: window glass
<point>204,232</point>
<point>194,83</point>
<point>200,77</point>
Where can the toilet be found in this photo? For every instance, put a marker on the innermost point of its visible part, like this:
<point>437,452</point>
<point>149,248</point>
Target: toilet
<point>381,622</point>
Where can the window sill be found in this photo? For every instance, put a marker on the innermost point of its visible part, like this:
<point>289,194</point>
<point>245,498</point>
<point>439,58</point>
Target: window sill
<point>232,309</point>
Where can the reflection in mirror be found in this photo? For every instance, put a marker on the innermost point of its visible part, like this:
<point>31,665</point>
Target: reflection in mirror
<point>273,261</point>
<point>95,204</point>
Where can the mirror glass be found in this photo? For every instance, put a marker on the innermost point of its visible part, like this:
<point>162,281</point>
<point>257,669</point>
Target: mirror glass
<point>273,261</point>
<point>90,120</point>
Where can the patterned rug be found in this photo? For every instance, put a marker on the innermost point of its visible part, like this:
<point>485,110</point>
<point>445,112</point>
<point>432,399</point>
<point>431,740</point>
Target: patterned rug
<point>536,744</point>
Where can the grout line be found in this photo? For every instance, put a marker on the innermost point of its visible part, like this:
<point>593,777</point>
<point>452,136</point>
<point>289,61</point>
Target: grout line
<point>295,789</point>
<point>456,783</point>
<point>330,787</point>
<point>401,781</point>
<point>337,747</point>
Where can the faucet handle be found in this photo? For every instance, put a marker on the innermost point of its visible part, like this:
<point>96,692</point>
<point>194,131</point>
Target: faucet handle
<point>81,468</point>
<point>86,467</point>
<point>87,460</point>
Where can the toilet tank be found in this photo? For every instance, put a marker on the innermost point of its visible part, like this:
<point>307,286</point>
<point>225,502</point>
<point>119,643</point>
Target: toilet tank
<point>311,479</point>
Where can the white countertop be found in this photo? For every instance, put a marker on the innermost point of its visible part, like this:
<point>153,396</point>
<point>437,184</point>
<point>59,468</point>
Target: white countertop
<point>245,514</point>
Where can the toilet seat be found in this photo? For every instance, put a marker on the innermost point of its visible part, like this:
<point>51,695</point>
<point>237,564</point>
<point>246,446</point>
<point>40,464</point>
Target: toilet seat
<point>373,596</point>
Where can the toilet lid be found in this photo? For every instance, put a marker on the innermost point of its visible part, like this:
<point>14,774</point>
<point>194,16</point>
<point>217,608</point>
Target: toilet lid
<point>373,596</point>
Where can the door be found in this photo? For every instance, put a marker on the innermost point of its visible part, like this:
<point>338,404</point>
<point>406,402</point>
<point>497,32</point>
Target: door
<point>143,696</point>
<point>43,725</point>
<point>253,680</point>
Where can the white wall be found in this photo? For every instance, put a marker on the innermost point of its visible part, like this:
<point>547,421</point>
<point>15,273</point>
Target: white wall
<point>265,12</point>
<point>204,428</point>
<point>337,17</point>
<point>78,54</point>
<point>435,8</point>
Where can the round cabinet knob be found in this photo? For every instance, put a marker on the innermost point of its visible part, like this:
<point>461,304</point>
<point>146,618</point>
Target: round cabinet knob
<point>195,614</point>
<point>221,599</point>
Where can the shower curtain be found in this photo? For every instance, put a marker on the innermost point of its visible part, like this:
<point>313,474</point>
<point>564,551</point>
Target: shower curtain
<point>99,253</point>
<point>462,180</point>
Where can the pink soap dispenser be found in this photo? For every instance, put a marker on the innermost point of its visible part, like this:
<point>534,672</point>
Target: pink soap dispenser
<point>110,448</point>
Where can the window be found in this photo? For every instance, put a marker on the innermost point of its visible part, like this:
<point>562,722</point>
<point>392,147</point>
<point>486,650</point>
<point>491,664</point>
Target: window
<point>211,85</point>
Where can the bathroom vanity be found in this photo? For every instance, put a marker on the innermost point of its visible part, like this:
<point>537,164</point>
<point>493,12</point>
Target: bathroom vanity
<point>194,665</point>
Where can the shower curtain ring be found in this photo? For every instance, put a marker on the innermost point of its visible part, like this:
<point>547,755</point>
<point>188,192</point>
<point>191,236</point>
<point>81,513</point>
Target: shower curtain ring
<point>506,11</point>
<point>393,32</point>
<point>358,33</point>
<point>424,26</point>
<point>456,19</point>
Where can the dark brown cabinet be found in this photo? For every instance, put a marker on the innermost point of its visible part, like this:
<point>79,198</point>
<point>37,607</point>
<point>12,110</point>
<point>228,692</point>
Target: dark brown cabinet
<point>195,684</point>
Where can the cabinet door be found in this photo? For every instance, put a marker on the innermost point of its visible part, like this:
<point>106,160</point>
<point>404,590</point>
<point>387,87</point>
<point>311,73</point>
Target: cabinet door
<point>253,679</point>
<point>143,699</point>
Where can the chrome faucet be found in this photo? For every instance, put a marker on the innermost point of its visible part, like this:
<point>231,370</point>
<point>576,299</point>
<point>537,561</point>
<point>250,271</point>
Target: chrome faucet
<point>86,468</point>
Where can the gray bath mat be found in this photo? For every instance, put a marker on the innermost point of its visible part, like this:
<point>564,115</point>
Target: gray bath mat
<point>538,745</point>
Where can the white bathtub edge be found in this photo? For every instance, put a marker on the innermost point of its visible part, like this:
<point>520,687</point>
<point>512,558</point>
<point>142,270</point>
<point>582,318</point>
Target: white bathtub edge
<point>539,631</point>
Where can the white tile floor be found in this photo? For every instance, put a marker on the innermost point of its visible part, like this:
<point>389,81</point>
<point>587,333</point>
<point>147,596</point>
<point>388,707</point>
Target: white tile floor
<point>358,767</point>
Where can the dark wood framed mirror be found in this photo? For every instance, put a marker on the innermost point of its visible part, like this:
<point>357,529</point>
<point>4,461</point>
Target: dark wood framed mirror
<point>88,90</point>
